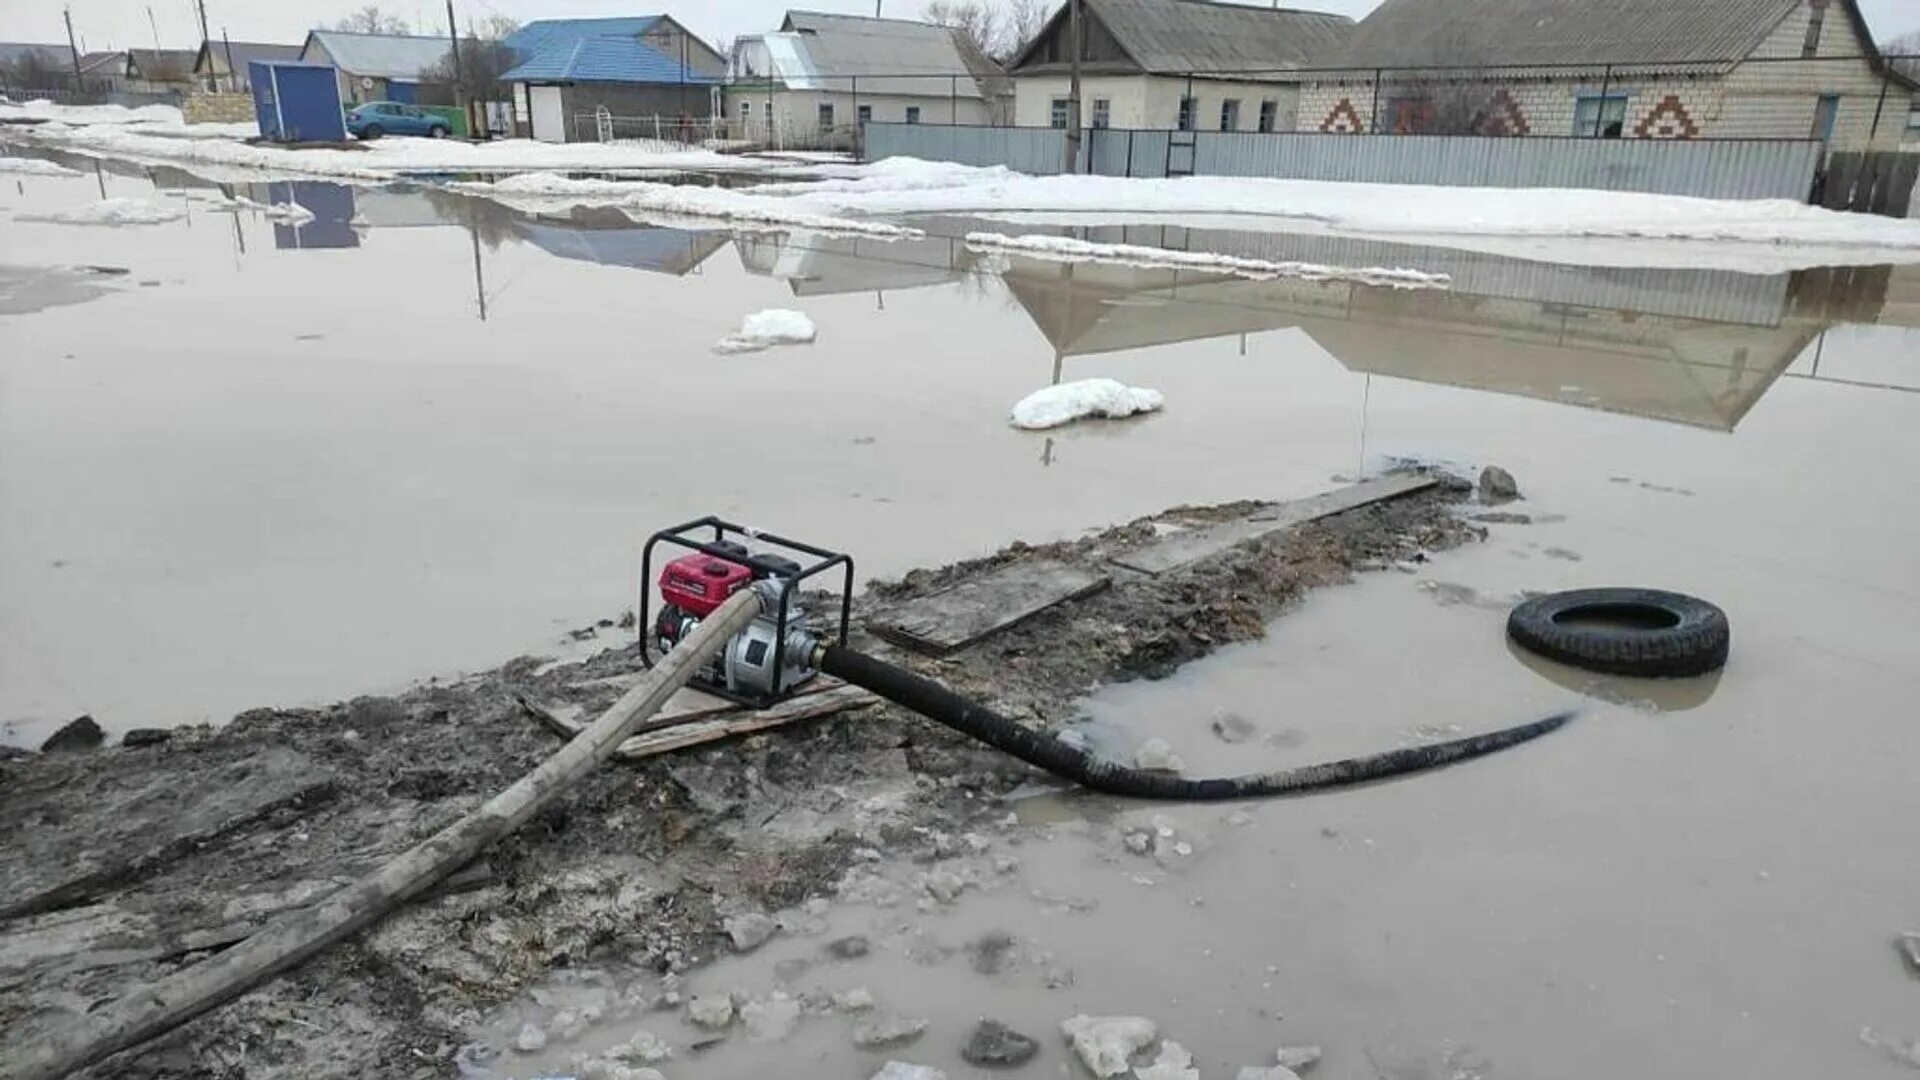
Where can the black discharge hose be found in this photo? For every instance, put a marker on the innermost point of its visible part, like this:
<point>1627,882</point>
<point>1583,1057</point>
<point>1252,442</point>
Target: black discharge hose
<point>936,702</point>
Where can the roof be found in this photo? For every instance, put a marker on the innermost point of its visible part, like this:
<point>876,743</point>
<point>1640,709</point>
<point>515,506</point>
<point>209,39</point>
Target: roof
<point>93,63</point>
<point>244,53</point>
<point>814,46</point>
<point>150,61</point>
<point>1440,33</point>
<point>384,56</point>
<point>607,59</point>
<point>14,51</point>
<point>537,35</point>
<point>1182,36</point>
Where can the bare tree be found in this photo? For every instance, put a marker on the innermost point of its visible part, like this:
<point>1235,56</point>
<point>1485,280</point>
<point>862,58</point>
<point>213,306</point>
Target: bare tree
<point>1906,48</point>
<point>482,62</point>
<point>371,20</point>
<point>1025,19</point>
<point>978,21</point>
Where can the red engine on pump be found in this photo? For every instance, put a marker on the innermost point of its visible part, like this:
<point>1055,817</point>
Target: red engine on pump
<point>774,654</point>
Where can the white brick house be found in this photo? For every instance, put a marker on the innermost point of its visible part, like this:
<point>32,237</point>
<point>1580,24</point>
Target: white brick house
<point>1673,69</point>
<point>1174,64</point>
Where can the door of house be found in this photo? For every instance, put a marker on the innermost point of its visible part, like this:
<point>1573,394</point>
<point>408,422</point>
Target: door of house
<point>549,113</point>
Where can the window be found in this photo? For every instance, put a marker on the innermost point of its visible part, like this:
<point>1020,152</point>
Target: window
<point>1102,112</point>
<point>746,110</point>
<point>1269,113</point>
<point>1815,16</point>
<point>913,114</point>
<point>1409,115</point>
<point>1057,112</point>
<point>1599,117</point>
<point>1184,122</point>
<point>826,116</point>
<point>1825,112</point>
<point>864,113</point>
<point>1230,115</point>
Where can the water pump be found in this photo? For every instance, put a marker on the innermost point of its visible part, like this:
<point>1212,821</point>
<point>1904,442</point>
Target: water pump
<point>773,656</point>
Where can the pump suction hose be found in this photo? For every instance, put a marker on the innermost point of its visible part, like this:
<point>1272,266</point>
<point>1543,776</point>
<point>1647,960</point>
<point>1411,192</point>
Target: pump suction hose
<point>938,703</point>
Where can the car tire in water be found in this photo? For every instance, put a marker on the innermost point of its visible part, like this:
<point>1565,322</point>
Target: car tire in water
<point>373,131</point>
<point>437,132</point>
<point>1640,632</point>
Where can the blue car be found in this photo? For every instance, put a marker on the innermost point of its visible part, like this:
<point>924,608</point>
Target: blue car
<point>377,118</point>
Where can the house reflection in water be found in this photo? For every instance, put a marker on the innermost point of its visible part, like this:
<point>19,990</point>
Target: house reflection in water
<point>1696,347</point>
<point>823,264</point>
<point>608,236</point>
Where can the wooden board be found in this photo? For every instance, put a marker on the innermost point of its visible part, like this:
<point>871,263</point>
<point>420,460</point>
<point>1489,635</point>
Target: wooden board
<point>1186,548</point>
<point>961,614</point>
<point>714,718</point>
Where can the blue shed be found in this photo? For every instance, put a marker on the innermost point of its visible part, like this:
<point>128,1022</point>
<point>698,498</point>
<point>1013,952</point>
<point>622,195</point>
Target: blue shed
<point>297,102</point>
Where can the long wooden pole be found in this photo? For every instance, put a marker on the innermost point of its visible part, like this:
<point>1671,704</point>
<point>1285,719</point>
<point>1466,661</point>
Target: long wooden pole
<point>287,941</point>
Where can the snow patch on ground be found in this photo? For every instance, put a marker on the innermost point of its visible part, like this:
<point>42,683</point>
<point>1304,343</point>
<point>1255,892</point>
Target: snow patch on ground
<point>548,191</point>
<point>15,166</point>
<point>1067,249</point>
<point>1067,402</point>
<point>117,211</point>
<point>1106,1044</point>
<point>765,329</point>
<point>40,109</point>
<point>910,187</point>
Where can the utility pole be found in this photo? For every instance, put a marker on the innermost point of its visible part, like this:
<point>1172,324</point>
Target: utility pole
<point>459,78</point>
<point>206,43</point>
<point>1073,87</point>
<point>73,49</point>
<point>233,77</point>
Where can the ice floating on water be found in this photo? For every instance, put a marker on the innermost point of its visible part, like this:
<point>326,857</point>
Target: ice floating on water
<point>1067,402</point>
<point>763,329</point>
<point>1106,1044</point>
<point>117,211</point>
<point>1067,249</point>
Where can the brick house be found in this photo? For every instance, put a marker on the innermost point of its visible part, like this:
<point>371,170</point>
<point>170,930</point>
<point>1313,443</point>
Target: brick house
<point>1648,69</point>
<point>1190,65</point>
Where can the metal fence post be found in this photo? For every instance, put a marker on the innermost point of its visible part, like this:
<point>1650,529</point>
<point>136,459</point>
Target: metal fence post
<point>1878,108</point>
<point>1373,114</point>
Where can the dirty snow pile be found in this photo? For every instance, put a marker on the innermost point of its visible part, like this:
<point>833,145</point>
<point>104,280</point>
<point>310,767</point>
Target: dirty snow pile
<point>117,211</point>
<point>906,186</point>
<point>1067,249</point>
<point>1067,402</point>
<point>765,329</point>
<point>16,166</point>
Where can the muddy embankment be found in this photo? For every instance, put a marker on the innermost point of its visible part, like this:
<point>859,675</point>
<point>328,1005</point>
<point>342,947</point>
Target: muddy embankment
<point>122,865</point>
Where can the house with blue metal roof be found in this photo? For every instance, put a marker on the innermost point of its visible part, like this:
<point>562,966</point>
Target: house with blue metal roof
<point>588,79</point>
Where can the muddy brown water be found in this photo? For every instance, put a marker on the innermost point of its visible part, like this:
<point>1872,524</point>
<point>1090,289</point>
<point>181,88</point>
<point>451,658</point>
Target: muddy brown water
<point>304,465</point>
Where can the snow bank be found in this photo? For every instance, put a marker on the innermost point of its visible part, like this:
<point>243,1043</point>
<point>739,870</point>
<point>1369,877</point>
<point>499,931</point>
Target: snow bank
<point>926,187</point>
<point>117,211</point>
<point>536,191</point>
<point>1067,249</point>
<point>163,137</point>
<point>1067,402</point>
<point>764,329</point>
<point>18,166</point>
<point>41,109</point>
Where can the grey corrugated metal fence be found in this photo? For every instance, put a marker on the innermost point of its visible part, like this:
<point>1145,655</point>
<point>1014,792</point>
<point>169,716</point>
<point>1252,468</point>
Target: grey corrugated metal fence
<point>1716,168</point>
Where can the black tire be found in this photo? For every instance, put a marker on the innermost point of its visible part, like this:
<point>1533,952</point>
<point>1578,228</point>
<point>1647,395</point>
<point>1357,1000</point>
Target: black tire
<point>1640,632</point>
<point>373,131</point>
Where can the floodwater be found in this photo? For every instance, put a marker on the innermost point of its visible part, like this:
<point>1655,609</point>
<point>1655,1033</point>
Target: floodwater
<point>273,464</point>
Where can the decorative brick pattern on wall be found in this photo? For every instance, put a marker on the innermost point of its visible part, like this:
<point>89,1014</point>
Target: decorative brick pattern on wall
<point>1343,119</point>
<point>1667,120</point>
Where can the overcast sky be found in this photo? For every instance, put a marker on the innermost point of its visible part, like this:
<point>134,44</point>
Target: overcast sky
<point>123,23</point>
